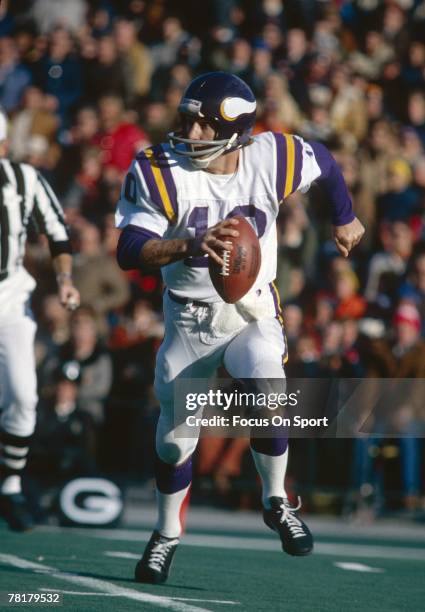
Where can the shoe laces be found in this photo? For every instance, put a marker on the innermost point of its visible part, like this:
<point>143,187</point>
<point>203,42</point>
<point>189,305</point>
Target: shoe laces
<point>160,551</point>
<point>295,526</point>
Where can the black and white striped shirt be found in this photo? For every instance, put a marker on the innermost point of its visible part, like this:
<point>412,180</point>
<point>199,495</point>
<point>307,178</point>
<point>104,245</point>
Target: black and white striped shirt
<point>24,193</point>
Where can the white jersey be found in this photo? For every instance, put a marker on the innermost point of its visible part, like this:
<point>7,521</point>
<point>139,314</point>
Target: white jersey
<point>168,198</point>
<point>24,194</point>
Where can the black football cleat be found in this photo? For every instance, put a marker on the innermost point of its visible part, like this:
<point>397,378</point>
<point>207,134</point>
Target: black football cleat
<point>14,510</point>
<point>293,532</point>
<point>154,566</point>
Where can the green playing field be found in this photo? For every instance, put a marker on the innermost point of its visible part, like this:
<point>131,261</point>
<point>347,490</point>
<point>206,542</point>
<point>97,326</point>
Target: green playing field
<point>93,569</point>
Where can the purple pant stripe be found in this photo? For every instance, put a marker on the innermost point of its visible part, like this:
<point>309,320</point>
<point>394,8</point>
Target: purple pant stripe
<point>275,300</point>
<point>270,446</point>
<point>280,165</point>
<point>172,478</point>
<point>280,319</point>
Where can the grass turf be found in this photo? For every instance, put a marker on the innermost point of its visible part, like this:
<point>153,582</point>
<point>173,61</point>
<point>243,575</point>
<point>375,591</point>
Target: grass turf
<point>255,580</point>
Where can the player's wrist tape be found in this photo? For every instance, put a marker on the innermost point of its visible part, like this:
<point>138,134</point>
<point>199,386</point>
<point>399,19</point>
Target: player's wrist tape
<point>63,276</point>
<point>194,246</point>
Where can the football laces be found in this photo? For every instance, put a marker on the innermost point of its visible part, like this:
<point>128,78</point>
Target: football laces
<point>225,269</point>
<point>294,524</point>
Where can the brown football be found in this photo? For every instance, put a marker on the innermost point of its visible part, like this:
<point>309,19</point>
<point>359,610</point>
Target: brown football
<point>242,264</point>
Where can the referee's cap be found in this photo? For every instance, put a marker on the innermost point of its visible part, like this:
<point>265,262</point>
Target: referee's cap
<point>3,125</point>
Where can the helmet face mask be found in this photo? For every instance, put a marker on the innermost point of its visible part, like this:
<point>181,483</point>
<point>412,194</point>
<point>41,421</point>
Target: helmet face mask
<point>227,104</point>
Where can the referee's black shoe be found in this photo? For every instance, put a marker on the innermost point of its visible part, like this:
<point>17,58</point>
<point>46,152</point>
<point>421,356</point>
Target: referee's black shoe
<point>293,532</point>
<point>14,510</point>
<point>154,566</point>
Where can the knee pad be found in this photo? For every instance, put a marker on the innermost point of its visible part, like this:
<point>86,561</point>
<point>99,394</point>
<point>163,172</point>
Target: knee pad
<point>175,451</point>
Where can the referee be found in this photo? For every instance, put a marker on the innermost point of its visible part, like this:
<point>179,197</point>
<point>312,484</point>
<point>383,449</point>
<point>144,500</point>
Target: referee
<point>24,194</point>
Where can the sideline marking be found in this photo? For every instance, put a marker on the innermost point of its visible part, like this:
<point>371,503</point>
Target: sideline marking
<point>121,555</point>
<point>101,585</point>
<point>367,551</point>
<point>233,603</point>
<point>359,567</point>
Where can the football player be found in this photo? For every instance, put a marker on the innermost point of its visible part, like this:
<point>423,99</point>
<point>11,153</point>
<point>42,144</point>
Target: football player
<point>176,209</point>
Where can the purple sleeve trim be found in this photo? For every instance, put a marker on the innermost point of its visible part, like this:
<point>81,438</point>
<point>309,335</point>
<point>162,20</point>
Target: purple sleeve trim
<point>332,180</point>
<point>130,244</point>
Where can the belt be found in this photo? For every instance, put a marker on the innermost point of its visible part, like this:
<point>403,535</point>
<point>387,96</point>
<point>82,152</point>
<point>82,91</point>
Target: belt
<point>183,300</point>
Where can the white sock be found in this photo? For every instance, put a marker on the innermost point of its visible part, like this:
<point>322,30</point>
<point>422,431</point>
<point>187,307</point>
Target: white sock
<point>272,470</point>
<point>10,485</point>
<point>169,507</point>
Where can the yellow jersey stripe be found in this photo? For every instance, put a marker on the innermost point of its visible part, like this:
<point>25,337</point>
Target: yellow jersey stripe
<point>290,165</point>
<point>276,292</point>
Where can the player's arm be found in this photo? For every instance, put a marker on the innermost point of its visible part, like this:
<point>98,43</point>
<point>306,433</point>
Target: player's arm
<point>299,164</point>
<point>145,221</point>
<point>137,247</point>
<point>347,229</point>
<point>50,220</point>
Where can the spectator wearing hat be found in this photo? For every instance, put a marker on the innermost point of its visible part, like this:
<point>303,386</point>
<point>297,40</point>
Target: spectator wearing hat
<point>65,435</point>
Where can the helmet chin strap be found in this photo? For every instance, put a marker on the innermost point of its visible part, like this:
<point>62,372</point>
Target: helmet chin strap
<point>204,162</point>
<point>196,158</point>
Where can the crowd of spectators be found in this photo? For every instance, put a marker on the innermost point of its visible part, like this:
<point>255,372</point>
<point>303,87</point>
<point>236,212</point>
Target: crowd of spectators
<point>86,83</point>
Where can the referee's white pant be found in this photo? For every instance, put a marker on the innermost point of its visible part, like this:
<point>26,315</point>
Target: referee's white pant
<point>18,381</point>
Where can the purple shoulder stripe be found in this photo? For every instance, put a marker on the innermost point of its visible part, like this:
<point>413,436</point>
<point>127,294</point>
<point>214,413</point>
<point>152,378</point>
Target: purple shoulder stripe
<point>280,164</point>
<point>146,168</point>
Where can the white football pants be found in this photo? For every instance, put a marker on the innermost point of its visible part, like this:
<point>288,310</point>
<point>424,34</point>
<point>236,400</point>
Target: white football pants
<point>18,382</point>
<point>200,339</point>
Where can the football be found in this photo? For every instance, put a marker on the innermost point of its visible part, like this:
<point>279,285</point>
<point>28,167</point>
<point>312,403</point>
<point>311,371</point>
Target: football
<point>241,265</point>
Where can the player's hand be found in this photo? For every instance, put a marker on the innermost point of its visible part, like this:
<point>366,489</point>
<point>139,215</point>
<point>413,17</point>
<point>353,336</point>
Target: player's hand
<point>347,236</point>
<point>214,240</point>
<point>69,296</point>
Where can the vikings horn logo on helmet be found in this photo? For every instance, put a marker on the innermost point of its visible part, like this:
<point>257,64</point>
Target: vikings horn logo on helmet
<point>232,108</point>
